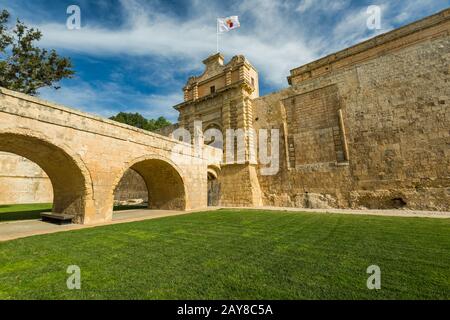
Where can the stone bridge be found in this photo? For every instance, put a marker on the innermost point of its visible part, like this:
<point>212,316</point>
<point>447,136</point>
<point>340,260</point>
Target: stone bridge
<point>86,156</point>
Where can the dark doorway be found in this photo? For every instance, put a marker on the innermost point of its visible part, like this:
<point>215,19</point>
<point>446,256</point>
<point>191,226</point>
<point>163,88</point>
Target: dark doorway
<point>213,190</point>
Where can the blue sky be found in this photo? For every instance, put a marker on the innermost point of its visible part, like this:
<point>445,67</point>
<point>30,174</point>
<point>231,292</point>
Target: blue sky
<point>136,55</point>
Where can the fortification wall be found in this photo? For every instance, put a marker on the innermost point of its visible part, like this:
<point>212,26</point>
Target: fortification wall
<point>22,181</point>
<point>374,134</point>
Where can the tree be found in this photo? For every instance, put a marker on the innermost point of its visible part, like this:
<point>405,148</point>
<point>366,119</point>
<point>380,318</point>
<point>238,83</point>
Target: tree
<point>138,121</point>
<point>25,67</point>
<point>157,124</point>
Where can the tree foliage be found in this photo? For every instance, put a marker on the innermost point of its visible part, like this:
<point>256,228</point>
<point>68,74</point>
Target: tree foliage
<point>139,121</point>
<point>25,67</point>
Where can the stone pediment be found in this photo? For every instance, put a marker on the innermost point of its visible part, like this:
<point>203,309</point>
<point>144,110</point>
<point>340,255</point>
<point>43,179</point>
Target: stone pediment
<point>214,66</point>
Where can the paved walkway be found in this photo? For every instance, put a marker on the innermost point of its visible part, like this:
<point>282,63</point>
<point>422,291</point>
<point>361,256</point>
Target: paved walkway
<point>25,228</point>
<point>389,213</point>
<point>22,229</point>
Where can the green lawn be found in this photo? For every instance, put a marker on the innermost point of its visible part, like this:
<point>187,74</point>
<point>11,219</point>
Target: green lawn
<point>229,254</point>
<point>15,212</point>
<point>12,212</point>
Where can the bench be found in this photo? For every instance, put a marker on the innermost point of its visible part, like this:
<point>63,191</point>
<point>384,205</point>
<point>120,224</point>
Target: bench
<point>58,218</point>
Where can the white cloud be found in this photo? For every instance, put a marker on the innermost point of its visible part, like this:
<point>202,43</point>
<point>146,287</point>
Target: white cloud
<point>150,33</point>
<point>353,28</point>
<point>305,5</point>
<point>322,5</point>
<point>272,38</point>
<point>93,98</point>
<point>275,35</point>
<point>161,105</point>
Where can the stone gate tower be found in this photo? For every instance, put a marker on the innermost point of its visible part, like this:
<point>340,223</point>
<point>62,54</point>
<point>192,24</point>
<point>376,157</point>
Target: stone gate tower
<point>221,98</point>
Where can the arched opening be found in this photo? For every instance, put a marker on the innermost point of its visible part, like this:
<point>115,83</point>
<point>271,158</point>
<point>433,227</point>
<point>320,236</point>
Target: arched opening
<point>23,181</point>
<point>131,192</point>
<point>69,185</point>
<point>164,185</point>
<point>213,187</point>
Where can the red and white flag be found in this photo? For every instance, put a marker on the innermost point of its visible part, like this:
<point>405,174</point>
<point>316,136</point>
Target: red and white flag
<point>227,24</point>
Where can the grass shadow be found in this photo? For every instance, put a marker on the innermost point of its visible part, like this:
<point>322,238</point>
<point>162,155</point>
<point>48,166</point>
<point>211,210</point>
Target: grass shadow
<point>18,212</point>
<point>131,207</point>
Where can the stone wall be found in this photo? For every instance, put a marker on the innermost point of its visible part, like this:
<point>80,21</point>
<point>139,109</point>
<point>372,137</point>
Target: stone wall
<point>372,134</point>
<point>131,189</point>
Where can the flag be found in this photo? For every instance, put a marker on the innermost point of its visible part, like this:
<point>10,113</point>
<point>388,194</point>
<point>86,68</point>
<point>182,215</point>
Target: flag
<point>227,24</point>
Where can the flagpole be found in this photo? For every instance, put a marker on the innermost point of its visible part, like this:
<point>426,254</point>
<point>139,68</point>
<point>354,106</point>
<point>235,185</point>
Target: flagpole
<point>217,35</point>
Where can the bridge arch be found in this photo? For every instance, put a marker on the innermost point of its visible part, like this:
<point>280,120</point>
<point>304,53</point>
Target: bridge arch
<point>70,178</point>
<point>164,180</point>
